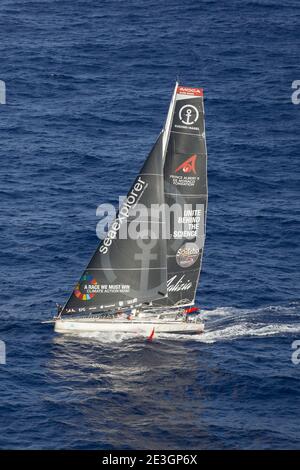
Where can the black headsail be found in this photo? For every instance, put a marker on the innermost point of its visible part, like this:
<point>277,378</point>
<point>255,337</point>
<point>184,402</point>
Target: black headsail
<point>129,269</point>
<point>185,174</point>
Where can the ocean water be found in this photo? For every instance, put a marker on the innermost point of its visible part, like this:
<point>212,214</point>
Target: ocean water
<point>88,87</point>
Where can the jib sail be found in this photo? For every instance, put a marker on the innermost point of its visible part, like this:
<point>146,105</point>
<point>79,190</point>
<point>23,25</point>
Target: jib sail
<point>129,268</point>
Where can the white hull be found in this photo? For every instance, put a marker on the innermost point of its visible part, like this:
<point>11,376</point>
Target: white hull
<point>137,327</point>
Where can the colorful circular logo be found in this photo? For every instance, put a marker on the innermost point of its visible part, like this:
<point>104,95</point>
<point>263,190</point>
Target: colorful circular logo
<point>187,255</point>
<point>86,288</point>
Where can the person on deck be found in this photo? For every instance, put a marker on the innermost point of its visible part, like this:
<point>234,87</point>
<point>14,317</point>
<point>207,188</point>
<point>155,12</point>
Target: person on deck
<point>59,309</point>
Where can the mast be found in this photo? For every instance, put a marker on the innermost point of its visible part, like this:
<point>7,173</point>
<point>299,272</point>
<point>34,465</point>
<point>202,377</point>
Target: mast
<point>168,123</point>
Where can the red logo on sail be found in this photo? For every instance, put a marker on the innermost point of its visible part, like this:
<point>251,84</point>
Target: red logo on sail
<point>189,166</point>
<point>183,90</point>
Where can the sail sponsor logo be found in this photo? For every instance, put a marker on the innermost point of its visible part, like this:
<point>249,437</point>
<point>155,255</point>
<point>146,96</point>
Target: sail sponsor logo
<point>176,284</point>
<point>183,90</point>
<point>188,114</point>
<point>86,288</point>
<point>129,203</point>
<point>184,174</point>
<point>187,255</point>
<point>189,166</point>
<point>190,225</point>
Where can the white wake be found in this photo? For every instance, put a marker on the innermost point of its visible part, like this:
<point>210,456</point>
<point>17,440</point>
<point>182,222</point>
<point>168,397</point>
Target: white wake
<point>227,324</point>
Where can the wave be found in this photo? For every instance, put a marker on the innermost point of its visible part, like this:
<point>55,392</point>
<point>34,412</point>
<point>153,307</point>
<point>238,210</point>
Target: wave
<point>248,330</point>
<point>108,337</point>
<point>231,323</point>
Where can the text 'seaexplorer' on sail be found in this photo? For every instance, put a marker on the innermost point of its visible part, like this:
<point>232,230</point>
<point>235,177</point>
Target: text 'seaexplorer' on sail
<point>131,201</point>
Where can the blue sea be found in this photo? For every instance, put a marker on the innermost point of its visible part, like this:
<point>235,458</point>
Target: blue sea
<point>88,87</point>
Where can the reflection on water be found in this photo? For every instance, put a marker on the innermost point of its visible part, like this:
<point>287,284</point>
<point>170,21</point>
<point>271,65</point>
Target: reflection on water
<point>150,389</point>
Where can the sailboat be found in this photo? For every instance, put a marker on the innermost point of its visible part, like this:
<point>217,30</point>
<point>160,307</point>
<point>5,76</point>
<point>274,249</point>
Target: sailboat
<point>145,282</point>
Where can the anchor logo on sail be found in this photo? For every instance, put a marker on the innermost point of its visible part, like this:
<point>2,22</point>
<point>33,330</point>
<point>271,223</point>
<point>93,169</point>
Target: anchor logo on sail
<point>188,166</point>
<point>188,114</point>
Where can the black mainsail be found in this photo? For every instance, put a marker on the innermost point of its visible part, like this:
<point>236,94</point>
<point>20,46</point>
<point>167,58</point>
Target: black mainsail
<point>185,186</point>
<point>159,262</point>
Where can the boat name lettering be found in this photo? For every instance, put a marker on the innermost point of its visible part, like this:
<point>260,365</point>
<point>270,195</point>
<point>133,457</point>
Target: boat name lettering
<point>128,204</point>
<point>181,284</point>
